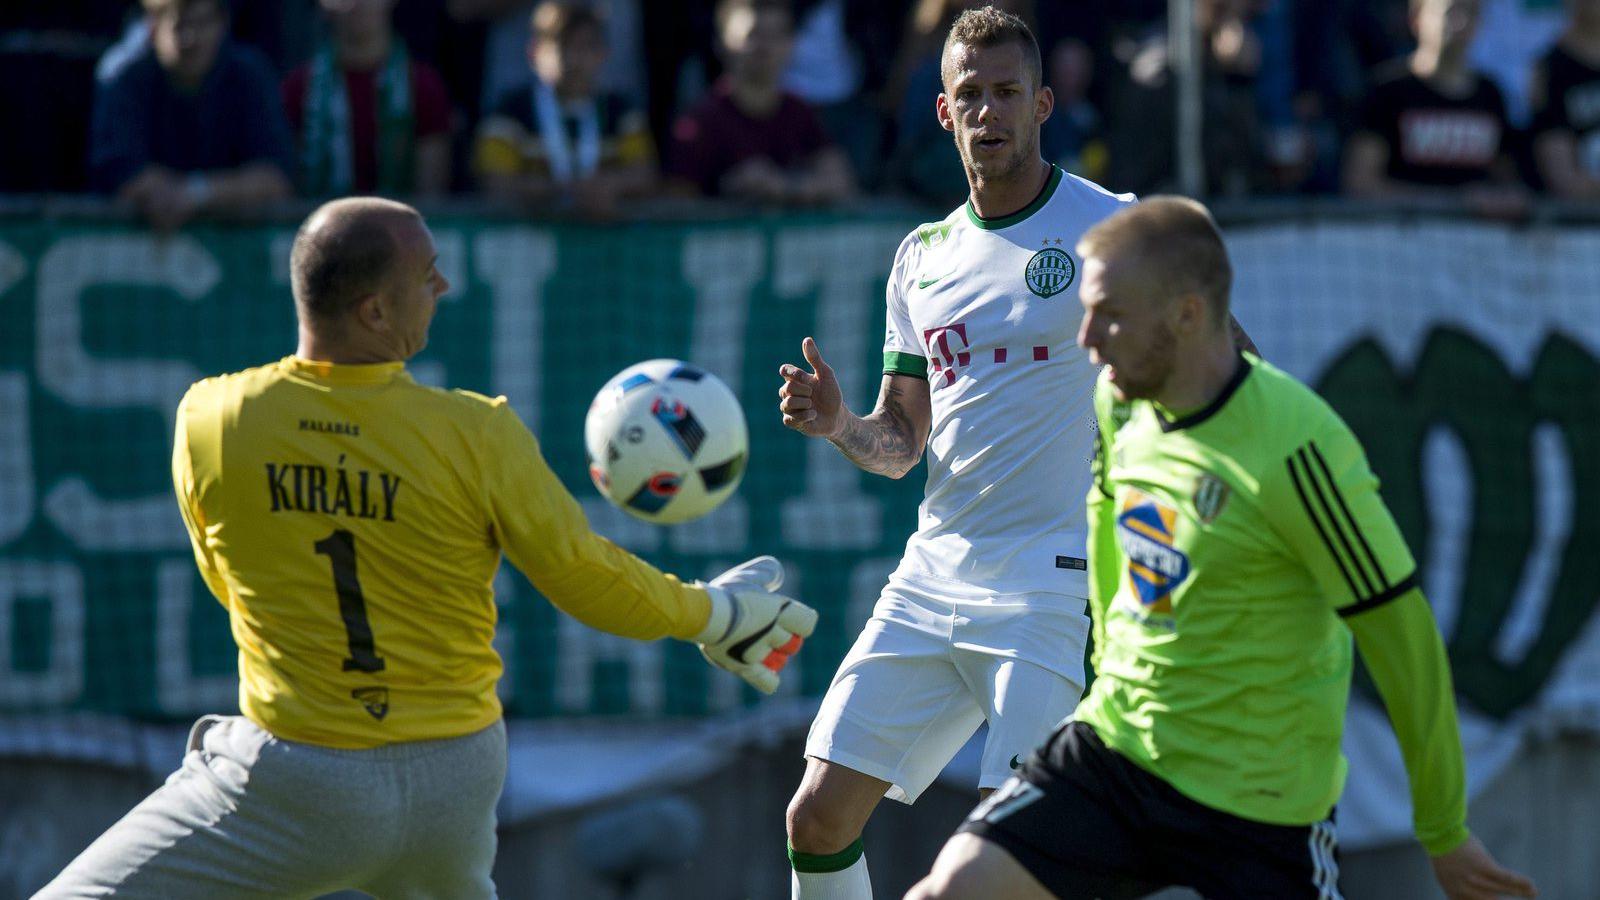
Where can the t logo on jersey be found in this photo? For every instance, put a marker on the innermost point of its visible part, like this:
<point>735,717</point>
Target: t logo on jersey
<point>947,349</point>
<point>1155,566</point>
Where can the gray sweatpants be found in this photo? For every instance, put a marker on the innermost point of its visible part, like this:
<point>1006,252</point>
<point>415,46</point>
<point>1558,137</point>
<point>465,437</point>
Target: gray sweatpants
<point>250,815</point>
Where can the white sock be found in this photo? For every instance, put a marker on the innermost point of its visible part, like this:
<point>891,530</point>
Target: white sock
<point>838,876</point>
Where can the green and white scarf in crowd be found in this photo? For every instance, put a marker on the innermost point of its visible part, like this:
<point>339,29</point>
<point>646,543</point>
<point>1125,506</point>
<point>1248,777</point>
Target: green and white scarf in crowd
<point>326,164</point>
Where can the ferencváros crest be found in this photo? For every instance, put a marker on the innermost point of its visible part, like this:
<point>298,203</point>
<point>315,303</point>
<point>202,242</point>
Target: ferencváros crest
<point>1210,494</point>
<point>1050,272</point>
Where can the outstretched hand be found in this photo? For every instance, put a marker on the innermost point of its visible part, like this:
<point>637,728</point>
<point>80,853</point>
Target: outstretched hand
<point>1470,873</point>
<point>810,401</point>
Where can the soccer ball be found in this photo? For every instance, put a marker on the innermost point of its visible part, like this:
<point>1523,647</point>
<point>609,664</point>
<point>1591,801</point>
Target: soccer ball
<point>666,440</point>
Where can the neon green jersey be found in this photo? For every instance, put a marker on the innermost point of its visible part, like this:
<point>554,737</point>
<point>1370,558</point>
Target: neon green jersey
<point>1232,553</point>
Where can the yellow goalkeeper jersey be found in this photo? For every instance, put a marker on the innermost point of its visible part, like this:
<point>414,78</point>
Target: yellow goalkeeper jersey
<point>351,521</point>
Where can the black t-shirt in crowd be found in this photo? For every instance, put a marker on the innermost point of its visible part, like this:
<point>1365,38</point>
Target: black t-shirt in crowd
<point>1571,102</point>
<point>1435,139</point>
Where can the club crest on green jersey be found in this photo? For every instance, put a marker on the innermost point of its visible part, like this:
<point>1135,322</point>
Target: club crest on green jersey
<point>1210,495</point>
<point>1050,272</point>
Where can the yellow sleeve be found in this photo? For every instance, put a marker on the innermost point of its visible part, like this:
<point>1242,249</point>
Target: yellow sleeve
<point>542,530</point>
<point>193,415</point>
<point>1401,646</point>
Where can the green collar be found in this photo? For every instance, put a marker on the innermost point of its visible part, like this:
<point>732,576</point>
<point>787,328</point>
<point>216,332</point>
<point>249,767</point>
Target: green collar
<point>1045,193</point>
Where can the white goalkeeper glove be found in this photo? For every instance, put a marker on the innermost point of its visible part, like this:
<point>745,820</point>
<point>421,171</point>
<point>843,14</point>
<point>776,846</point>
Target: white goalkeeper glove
<point>752,632</point>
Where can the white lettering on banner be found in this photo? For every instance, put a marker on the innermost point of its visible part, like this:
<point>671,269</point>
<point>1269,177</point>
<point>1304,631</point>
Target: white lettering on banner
<point>13,266</point>
<point>178,689</point>
<point>61,584</point>
<point>16,457</point>
<point>1554,496</point>
<point>515,263</point>
<point>505,633</point>
<point>844,265</point>
<point>583,649</point>
<point>723,268</point>
<point>452,249</point>
<point>65,367</point>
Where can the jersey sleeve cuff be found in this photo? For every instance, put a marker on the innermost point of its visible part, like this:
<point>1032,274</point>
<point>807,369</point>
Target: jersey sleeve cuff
<point>898,363</point>
<point>1446,841</point>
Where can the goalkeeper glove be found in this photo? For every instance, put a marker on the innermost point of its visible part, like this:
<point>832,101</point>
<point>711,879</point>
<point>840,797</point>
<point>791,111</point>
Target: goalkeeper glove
<point>752,632</point>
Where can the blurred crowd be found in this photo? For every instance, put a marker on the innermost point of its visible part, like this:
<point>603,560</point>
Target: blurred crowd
<point>185,107</point>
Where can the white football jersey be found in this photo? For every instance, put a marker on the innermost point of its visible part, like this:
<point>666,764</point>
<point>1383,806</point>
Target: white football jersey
<point>988,311</point>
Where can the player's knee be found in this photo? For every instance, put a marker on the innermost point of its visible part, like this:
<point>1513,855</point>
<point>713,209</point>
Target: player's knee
<point>814,827</point>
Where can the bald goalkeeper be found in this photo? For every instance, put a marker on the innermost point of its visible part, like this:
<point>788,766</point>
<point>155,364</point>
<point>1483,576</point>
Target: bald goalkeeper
<point>351,522</point>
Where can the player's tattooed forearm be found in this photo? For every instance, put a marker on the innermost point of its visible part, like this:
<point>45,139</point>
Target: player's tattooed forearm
<point>885,442</point>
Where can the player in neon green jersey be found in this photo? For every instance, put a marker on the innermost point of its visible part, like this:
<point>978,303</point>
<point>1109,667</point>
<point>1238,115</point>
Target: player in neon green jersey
<point>1237,541</point>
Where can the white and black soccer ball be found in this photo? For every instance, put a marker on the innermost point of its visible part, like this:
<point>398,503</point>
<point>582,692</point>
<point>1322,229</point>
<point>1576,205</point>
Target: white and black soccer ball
<point>667,441</point>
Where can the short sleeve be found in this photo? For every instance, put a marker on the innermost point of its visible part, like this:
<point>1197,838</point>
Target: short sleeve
<point>497,148</point>
<point>294,97</point>
<point>1378,114</point>
<point>265,127</point>
<point>432,101</point>
<point>1496,106</point>
<point>810,137</point>
<point>902,351</point>
<point>1332,518</point>
<point>119,145</point>
<point>693,157</point>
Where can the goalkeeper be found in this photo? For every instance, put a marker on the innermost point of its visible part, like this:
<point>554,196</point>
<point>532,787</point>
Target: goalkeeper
<point>1237,543</point>
<point>351,522</point>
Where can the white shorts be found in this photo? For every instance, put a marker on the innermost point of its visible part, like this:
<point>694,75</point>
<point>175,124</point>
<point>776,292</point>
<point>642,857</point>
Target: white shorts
<point>928,669</point>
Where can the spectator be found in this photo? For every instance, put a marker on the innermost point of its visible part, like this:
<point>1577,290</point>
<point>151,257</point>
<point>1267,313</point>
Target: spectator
<point>926,162</point>
<point>193,125</point>
<point>559,138</point>
<point>1141,136</point>
<point>1432,121</point>
<point>834,70</point>
<point>1337,43</point>
<point>369,119</point>
<point>1566,103</point>
<point>749,139</point>
<point>47,60</point>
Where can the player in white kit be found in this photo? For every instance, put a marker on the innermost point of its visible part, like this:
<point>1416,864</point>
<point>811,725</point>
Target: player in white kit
<point>985,617</point>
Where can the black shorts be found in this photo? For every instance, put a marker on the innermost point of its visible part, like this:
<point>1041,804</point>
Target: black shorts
<point>1089,823</point>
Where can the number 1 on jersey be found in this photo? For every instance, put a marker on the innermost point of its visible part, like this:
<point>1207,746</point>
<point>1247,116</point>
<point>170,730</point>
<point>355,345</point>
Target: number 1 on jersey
<point>340,548</point>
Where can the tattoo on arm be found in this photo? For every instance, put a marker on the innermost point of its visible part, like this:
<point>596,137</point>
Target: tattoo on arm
<point>886,441</point>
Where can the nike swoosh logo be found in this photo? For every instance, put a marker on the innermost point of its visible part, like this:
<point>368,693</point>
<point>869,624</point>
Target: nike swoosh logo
<point>927,282</point>
<point>1016,762</point>
<point>737,651</point>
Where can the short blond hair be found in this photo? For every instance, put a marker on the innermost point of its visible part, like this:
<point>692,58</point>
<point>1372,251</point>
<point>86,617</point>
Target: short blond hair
<point>1176,244</point>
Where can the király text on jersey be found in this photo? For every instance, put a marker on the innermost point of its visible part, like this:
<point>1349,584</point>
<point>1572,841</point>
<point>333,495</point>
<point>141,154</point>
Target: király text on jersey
<point>307,487</point>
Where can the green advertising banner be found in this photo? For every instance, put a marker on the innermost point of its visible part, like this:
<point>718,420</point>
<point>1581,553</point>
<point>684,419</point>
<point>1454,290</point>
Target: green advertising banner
<point>1464,355</point>
<point>105,326</point>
